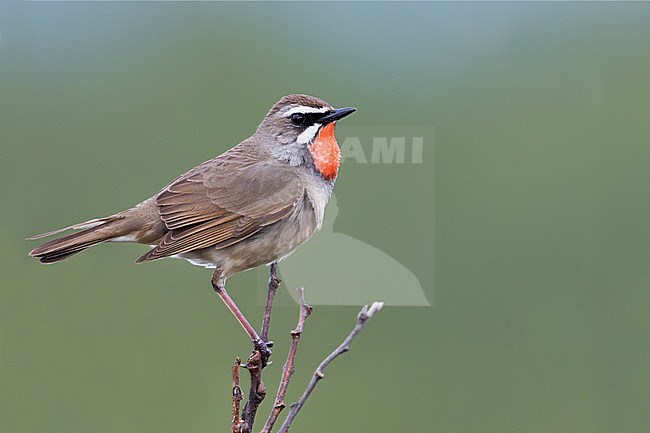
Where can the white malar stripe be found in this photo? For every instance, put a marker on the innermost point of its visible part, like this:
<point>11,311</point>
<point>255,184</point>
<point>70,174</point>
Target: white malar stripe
<point>308,134</point>
<point>303,109</point>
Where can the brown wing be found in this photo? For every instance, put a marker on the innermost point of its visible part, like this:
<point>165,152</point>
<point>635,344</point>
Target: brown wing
<point>224,201</point>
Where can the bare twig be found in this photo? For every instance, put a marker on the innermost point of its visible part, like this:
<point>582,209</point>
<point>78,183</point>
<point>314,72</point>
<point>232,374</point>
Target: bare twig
<point>257,390</point>
<point>236,398</point>
<point>258,359</point>
<point>364,315</point>
<point>288,369</point>
<point>274,282</point>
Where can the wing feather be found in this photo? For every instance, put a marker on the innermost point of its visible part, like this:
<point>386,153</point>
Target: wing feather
<point>224,201</point>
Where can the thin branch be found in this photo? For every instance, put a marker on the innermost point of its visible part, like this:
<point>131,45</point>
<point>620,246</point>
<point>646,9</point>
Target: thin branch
<point>236,398</point>
<point>364,315</point>
<point>288,368</point>
<point>259,359</point>
<point>274,282</point>
<point>257,390</point>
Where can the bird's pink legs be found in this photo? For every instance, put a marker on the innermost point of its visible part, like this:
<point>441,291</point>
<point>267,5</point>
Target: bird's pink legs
<point>218,283</point>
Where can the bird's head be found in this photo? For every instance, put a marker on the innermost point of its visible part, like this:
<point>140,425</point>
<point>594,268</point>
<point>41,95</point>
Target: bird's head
<point>300,129</point>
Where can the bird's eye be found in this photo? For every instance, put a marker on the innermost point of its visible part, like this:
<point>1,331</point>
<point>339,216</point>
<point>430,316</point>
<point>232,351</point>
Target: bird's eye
<point>297,119</point>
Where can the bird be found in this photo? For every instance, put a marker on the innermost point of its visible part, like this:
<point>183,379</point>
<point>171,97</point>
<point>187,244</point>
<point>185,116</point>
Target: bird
<point>252,205</point>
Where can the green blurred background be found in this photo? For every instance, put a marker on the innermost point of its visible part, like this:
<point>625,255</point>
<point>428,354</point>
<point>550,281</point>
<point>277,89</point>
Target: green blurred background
<point>541,179</point>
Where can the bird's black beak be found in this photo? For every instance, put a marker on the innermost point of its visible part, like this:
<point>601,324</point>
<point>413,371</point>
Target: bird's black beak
<point>336,114</point>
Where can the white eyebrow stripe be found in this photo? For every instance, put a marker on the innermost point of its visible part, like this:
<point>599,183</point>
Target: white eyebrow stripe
<point>303,109</point>
<point>308,134</point>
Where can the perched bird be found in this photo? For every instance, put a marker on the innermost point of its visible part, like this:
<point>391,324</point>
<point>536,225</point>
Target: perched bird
<point>252,205</point>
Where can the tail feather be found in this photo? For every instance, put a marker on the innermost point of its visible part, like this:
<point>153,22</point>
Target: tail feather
<point>85,225</point>
<point>92,232</point>
<point>53,258</point>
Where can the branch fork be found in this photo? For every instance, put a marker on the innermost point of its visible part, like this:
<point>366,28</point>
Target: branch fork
<point>258,360</point>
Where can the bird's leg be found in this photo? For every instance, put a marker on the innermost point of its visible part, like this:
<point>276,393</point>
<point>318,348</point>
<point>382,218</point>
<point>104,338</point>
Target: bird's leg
<point>218,283</point>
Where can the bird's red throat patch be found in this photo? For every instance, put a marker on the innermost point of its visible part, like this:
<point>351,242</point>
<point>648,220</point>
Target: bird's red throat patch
<point>325,152</point>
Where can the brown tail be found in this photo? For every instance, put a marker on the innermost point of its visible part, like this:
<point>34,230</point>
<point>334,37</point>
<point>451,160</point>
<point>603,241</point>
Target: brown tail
<point>91,233</point>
